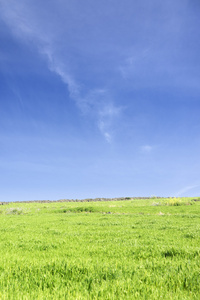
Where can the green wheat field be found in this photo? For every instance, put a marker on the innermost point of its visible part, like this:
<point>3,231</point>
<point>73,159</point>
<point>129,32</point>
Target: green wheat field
<point>130,249</point>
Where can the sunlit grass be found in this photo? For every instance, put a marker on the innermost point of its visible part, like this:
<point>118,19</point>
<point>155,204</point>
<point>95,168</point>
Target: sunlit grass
<point>130,249</point>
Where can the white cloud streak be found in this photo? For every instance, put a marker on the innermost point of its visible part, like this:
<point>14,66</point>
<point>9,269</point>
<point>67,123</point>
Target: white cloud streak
<point>26,26</point>
<point>186,189</point>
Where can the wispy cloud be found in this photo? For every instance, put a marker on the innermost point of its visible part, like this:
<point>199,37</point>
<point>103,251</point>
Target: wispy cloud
<point>18,96</point>
<point>162,58</point>
<point>146,149</point>
<point>96,103</point>
<point>186,189</point>
<point>99,105</point>
<point>31,28</point>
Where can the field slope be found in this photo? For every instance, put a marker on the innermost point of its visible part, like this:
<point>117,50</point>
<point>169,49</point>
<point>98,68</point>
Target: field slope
<point>133,249</point>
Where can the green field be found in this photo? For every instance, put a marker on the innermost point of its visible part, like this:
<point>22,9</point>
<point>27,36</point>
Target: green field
<point>133,249</point>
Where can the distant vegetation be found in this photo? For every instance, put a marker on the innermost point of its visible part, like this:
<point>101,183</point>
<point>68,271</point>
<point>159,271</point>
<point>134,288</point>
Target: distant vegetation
<point>132,248</point>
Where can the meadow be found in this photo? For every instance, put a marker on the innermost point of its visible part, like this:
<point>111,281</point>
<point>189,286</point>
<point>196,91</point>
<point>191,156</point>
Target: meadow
<point>132,249</point>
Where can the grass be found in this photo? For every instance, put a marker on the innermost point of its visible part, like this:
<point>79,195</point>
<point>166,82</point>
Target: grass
<point>130,249</point>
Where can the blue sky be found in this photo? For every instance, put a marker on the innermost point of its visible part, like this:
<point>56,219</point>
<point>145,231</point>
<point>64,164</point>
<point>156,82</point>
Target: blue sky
<point>99,98</point>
